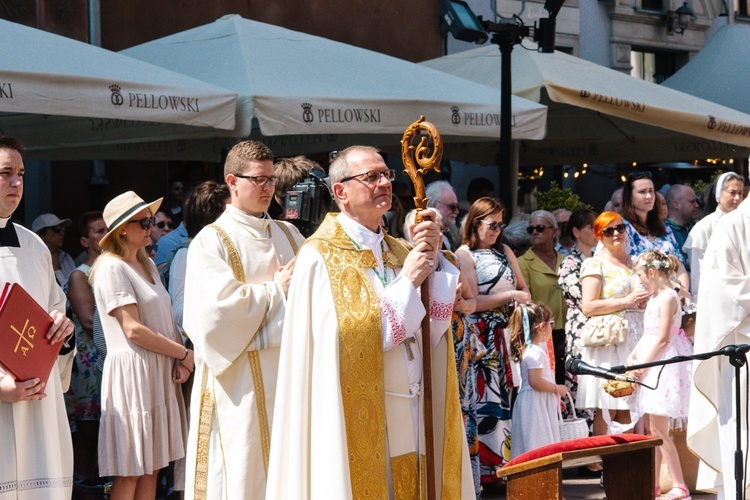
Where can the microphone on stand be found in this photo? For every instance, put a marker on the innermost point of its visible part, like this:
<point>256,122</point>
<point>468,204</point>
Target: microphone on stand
<point>578,367</point>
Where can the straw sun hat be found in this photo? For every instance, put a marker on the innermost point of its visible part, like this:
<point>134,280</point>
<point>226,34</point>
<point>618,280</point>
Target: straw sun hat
<point>122,208</point>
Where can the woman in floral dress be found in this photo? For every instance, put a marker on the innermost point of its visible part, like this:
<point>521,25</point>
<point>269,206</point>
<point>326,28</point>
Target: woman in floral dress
<point>645,231</point>
<point>581,231</point>
<point>496,283</point>
<point>83,399</point>
<point>609,286</point>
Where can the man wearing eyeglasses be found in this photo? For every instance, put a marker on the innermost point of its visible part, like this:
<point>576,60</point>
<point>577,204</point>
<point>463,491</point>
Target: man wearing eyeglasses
<point>51,229</point>
<point>349,419</point>
<point>443,198</point>
<point>238,272</point>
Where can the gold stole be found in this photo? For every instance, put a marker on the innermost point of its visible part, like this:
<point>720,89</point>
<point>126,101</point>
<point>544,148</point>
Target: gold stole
<point>361,373</point>
<point>207,404</point>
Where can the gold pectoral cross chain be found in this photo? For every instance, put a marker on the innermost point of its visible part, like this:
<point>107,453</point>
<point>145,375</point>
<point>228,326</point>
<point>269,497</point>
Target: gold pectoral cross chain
<point>407,344</point>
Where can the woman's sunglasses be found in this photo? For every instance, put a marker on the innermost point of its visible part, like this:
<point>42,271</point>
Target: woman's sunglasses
<point>610,231</point>
<point>145,223</point>
<point>640,175</point>
<point>493,226</point>
<point>539,229</point>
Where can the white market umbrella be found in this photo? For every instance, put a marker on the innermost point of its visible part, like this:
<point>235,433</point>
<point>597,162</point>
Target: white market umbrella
<point>305,93</point>
<point>55,91</point>
<point>599,115</point>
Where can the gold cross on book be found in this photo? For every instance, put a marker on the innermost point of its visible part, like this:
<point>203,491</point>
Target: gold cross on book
<point>22,336</point>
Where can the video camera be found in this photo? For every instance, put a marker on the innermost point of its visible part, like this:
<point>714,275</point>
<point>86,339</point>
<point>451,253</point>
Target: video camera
<point>308,201</point>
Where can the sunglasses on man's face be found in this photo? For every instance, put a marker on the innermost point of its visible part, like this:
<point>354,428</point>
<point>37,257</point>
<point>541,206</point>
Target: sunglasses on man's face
<point>610,231</point>
<point>145,223</point>
<point>161,224</point>
<point>539,229</point>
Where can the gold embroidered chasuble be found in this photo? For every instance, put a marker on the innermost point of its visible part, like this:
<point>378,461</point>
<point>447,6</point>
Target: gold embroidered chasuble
<point>365,382</point>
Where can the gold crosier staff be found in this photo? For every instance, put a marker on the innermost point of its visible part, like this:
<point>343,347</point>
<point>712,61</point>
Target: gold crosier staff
<point>427,159</point>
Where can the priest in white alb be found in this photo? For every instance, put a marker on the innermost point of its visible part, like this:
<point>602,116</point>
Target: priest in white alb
<point>238,272</point>
<point>350,420</point>
<point>36,452</point>
<point>723,319</point>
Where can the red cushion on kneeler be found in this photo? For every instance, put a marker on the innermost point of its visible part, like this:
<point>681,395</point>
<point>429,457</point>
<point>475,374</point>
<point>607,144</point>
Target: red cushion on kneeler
<point>576,444</point>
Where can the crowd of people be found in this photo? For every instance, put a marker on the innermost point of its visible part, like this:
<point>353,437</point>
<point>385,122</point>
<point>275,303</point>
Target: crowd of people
<point>206,339</point>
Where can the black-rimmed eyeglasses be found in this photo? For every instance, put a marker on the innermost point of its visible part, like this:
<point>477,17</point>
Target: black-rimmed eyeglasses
<point>373,176</point>
<point>610,231</point>
<point>145,223</point>
<point>259,180</point>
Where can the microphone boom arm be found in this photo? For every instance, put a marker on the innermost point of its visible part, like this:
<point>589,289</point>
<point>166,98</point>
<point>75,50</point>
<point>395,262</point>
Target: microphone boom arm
<point>736,354</point>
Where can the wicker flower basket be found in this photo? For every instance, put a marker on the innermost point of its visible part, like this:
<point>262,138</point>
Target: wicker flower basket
<point>572,428</point>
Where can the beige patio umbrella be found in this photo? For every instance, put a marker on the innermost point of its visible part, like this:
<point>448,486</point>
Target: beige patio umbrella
<point>302,93</point>
<point>55,91</point>
<point>599,115</point>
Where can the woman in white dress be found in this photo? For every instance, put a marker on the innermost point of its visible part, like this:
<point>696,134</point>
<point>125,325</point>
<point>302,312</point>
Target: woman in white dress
<point>143,422</point>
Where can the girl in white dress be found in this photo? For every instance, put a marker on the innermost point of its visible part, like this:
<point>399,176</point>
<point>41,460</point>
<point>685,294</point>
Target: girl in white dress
<point>535,411</point>
<point>662,339</point>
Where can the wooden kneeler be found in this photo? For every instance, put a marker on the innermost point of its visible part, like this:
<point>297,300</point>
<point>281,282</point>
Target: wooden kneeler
<point>628,461</point>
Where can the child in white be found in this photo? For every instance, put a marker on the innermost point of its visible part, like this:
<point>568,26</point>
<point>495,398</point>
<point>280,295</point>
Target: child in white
<point>662,339</point>
<point>535,411</point>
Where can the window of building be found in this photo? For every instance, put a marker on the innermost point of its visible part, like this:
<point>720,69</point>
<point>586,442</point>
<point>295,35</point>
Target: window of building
<point>655,66</point>
<point>652,5</point>
<point>741,7</point>
<point>643,65</point>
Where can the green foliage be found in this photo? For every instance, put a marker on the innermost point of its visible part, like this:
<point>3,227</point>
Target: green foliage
<point>556,197</point>
<point>699,185</point>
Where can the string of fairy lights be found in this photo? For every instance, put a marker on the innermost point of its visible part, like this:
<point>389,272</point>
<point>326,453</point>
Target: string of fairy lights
<point>576,171</point>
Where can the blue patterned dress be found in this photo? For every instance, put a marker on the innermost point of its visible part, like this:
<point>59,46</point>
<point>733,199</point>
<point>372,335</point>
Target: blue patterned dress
<point>638,243</point>
<point>83,399</point>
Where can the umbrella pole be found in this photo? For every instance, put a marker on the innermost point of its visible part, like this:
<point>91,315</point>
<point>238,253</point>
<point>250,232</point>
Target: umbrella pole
<point>506,35</point>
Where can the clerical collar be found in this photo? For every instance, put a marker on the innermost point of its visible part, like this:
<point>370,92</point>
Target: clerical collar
<point>363,236</point>
<point>258,223</point>
<point>8,235</point>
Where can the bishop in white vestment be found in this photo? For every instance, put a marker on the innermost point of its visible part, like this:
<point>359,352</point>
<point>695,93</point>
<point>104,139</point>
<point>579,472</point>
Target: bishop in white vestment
<point>723,319</point>
<point>349,418</point>
<point>237,274</point>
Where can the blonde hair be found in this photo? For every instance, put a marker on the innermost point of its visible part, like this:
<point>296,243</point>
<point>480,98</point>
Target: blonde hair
<point>666,265</point>
<point>115,247</point>
<point>538,313</point>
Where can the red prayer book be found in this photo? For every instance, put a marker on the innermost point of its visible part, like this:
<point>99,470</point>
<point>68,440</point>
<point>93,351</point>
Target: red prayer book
<point>25,351</point>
